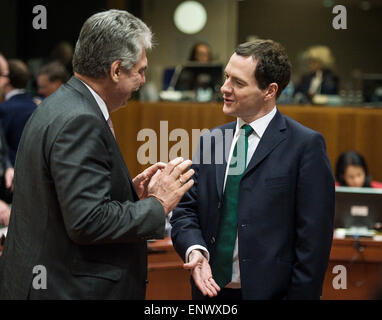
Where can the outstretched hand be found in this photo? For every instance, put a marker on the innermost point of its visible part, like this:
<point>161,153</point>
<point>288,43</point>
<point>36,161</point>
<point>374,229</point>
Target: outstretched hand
<point>201,273</point>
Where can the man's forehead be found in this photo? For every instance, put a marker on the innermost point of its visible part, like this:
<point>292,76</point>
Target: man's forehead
<point>241,62</point>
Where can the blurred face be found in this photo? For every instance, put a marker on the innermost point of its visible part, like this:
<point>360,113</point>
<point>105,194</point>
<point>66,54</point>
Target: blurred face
<point>354,176</point>
<point>314,65</point>
<point>242,96</point>
<point>4,72</point>
<point>46,87</point>
<point>202,53</point>
<point>131,80</point>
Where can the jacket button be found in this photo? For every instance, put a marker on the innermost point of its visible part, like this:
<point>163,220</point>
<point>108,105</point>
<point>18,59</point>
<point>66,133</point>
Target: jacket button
<point>212,240</point>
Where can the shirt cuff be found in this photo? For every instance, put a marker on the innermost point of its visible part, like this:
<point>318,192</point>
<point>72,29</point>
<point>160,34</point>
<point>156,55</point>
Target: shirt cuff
<point>195,247</point>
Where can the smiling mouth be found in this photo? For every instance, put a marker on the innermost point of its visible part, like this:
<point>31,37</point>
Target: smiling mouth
<point>229,101</point>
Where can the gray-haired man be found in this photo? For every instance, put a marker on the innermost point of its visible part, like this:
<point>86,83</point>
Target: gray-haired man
<point>79,223</point>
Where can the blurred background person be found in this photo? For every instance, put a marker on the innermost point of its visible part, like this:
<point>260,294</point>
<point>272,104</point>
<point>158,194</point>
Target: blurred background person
<point>18,105</point>
<point>352,171</point>
<point>3,75</point>
<point>50,78</point>
<point>6,181</point>
<point>320,79</point>
<point>61,53</point>
<point>201,52</point>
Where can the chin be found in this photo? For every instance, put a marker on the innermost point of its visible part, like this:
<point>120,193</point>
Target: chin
<point>229,111</point>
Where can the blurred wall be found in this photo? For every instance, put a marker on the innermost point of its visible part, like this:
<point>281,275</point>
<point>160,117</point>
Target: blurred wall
<point>8,27</point>
<point>173,47</point>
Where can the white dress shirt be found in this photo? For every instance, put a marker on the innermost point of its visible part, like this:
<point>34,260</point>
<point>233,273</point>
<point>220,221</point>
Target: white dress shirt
<point>259,126</point>
<point>13,93</point>
<point>100,102</point>
<point>315,84</point>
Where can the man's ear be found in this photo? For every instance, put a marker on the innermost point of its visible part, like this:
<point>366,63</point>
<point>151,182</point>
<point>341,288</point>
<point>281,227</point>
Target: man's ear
<point>115,70</point>
<point>271,91</point>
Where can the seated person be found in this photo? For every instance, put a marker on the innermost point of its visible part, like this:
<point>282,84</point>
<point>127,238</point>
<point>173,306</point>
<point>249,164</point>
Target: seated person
<point>200,52</point>
<point>351,171</point>
<point>320,79</point>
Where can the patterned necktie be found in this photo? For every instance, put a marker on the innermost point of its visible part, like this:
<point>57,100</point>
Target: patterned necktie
<point>110,123</point>
<point>221,262</point>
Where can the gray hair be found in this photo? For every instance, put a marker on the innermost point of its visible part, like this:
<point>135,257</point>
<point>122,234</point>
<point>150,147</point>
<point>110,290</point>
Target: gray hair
<point>109,36</point>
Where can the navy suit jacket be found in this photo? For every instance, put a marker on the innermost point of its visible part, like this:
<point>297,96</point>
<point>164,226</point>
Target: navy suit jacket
<point>285,211</point>
<point>14,113</point>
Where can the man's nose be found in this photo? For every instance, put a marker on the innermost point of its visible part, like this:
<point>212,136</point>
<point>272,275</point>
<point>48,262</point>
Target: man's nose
<point>226,88</point>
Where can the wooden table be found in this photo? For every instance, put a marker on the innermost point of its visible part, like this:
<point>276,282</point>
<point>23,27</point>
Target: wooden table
<point>362,259</point>
<point>167,278</point>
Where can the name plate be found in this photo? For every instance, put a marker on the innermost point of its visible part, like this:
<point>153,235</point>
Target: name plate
<point>359,211</point>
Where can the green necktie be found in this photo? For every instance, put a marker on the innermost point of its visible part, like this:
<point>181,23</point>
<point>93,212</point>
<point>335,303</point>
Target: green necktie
<point>221,262</point>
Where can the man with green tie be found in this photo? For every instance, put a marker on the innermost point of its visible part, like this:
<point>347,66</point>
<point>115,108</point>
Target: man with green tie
<point>259,224</point>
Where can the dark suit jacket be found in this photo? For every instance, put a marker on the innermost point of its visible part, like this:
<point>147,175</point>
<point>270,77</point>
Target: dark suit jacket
<point>14,113</point>
<point>329,85</point>
<point>75,210</point>
<point>285,212</point>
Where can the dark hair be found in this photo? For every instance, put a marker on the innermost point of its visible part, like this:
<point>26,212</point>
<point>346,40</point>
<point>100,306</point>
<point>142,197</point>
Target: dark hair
<point>55,71</point>
<point>18,74</point>
<point>273,64</point>
<point>195,47</point>
<point>351,158</point>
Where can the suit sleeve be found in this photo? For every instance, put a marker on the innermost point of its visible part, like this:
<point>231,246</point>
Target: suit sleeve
<point>185,231</point>
<point>80,164</point>
<point>314,220</point>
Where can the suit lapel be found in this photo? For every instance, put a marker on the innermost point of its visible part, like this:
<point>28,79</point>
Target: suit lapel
<point>273,135</point>
<point>79,86</point>
<point>222,147</point>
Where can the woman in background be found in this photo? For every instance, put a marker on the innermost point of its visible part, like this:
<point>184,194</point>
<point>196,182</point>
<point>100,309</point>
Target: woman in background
<point>321,78</point>
<point>201,52</point>
<point>351,171</point>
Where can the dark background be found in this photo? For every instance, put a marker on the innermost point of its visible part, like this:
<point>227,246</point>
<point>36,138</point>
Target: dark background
<point>19,39</point>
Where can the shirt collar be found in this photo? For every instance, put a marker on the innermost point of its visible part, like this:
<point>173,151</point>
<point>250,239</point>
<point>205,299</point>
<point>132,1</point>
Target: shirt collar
<point>13,93</point>
<point>259,125</point>
<point>99,100</point>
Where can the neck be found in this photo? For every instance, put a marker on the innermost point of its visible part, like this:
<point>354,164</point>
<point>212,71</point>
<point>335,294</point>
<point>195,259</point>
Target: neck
<point>101,86</point>
<point>260,113</point>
